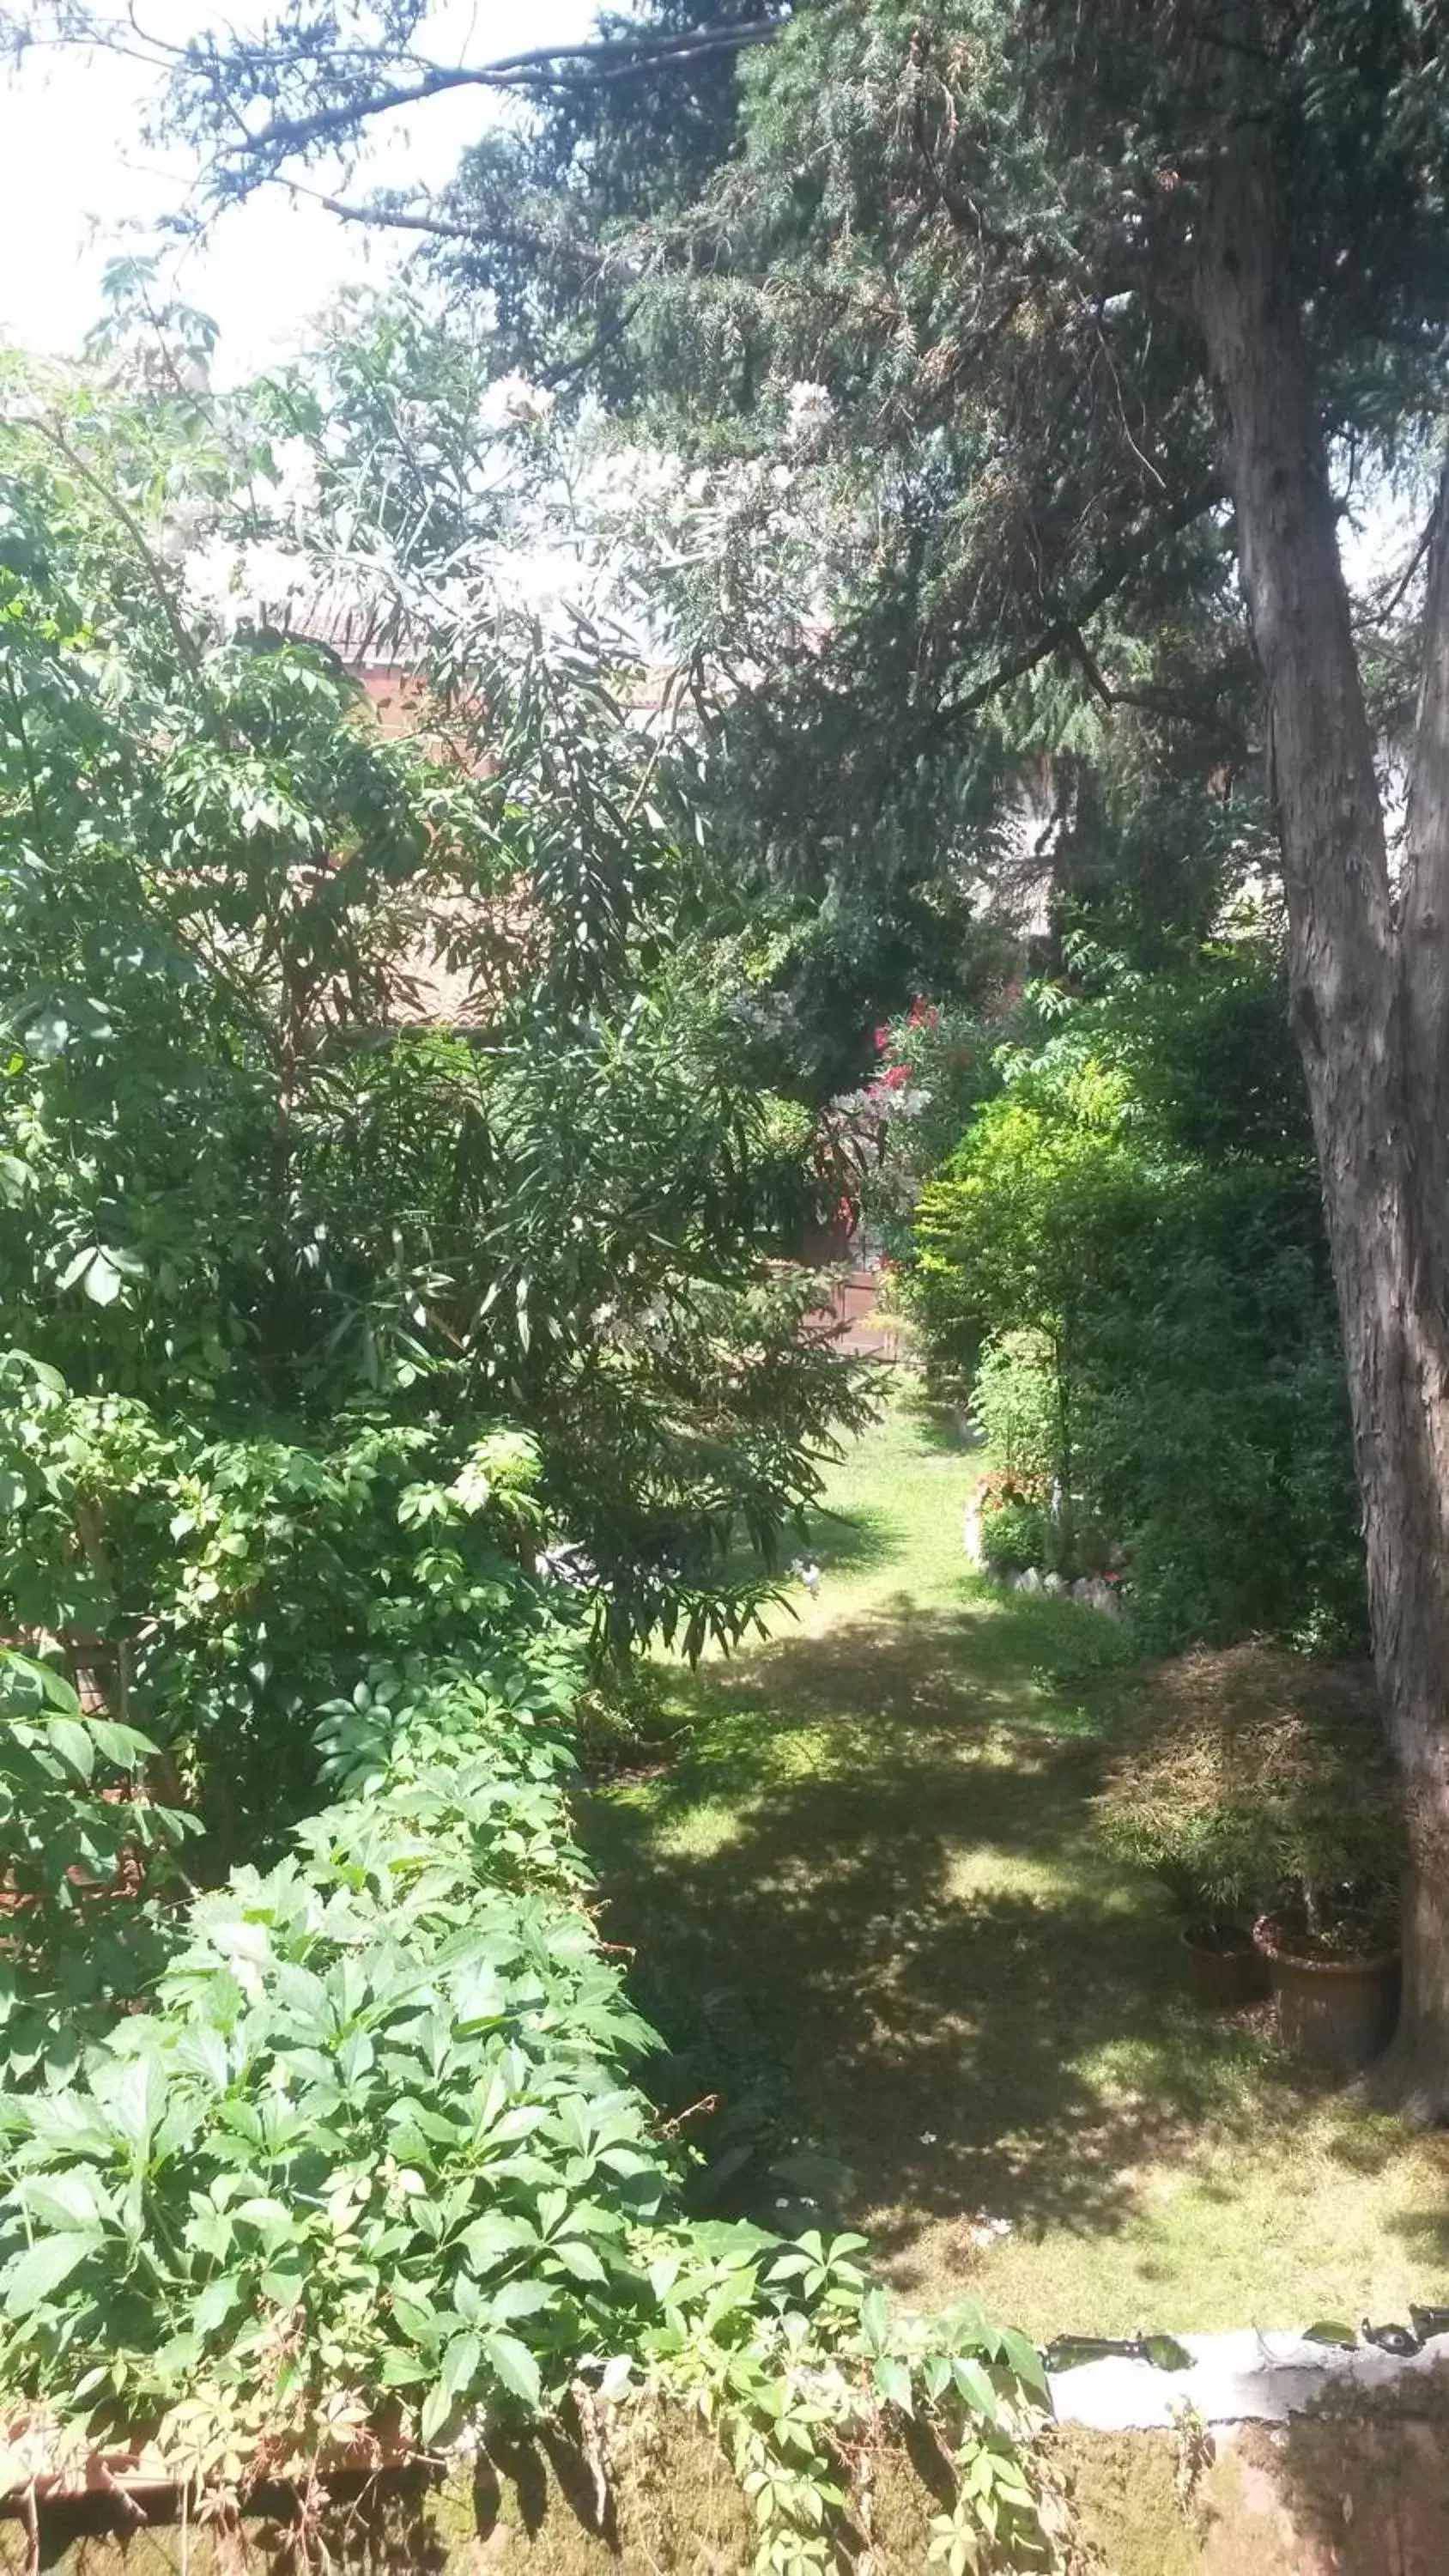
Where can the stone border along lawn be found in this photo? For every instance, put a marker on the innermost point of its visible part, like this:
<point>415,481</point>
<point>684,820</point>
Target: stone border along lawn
<point>868,1885</point>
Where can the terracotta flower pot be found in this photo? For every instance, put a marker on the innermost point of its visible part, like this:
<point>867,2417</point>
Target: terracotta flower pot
<point>1225,1967</point>
<point>1336,2003</point>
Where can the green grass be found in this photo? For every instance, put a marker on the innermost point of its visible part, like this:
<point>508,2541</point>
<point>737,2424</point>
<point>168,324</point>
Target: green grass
<point>869,1889</point>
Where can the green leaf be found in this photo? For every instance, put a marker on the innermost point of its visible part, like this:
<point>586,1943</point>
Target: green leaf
<point>102,1279</point>
<point>65,2200</point>
<point>875,2317</point>
<point>126,1746</point>
<point>356,2057</point>
<point>130,2092</point>
<point>1022,2356</point>
<point>217,2302</point>
<point>893,2379</point>
<point>514,2367</point>
<point>461,2363</point>
<point>974,2385</point>
<point>490,2239</point>
<point>418,2320</point>
<point>437,2407</point>
<point>519,2299</point>
<point>468,2299</point>
<point>272,2219</point>
<point>578,2259</point>
<point>42,2268</point>
<point>74,1743</point>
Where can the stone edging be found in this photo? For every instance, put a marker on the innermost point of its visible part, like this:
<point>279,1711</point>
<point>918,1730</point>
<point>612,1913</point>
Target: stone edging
<point>1240,2378</point>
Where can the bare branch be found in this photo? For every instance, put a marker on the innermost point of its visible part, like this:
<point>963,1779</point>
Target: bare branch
<point>542,71</point>
<point>389,218</point>
<point>1148,702</point>
<point>1391,594</point>
<point>1062,633</point>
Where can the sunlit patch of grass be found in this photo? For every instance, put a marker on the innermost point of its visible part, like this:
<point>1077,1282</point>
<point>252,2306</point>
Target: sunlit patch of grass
<point>871,1888</point>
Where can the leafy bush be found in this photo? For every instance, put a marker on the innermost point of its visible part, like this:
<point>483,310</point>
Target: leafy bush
<point>1014,1535</point>
<point>374,2157</point>
<point>625,1713</point>
<point>328,1323</point>
<point>1134,1273</point>
<point>1252,1779</point>
<point>934,1066</point>
<point>227,1583</point>
<point>84,1847</point>
<point>1016,1399</point>
<point>244,1181</point>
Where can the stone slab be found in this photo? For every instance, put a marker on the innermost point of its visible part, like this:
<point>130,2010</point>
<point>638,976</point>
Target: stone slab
<point>1242,2378</point>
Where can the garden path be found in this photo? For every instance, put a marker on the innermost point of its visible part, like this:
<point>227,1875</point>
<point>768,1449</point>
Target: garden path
<point>867,1889</point>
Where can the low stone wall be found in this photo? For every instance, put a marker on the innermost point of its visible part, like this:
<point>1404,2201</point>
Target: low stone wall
<point>1269,2457</point>
<point>1321,2498</point>
<point>1351,2481</point>
<point>673,2508</point>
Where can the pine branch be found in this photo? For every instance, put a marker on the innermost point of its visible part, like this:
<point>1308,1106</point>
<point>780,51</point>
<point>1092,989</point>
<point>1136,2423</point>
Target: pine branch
<point>541,72</point>
<point>1062,633</point>
<point>1147,701</point>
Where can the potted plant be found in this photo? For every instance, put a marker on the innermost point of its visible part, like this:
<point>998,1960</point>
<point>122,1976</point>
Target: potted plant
<point>1329,1935</point>
<point>1212,1873</point>
<point>1256,1786</point>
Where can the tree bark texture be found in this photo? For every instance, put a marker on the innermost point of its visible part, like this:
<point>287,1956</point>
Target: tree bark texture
<point>1369,964</point>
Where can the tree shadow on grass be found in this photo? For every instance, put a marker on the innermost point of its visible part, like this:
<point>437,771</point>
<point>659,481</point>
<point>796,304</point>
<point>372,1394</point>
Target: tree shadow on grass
<point>1426,2233</point>
<point>853,1542</point>
<point>879,1864</point>
<point>939,1425</point>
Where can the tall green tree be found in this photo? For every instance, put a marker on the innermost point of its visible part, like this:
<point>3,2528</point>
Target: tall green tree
<point>255,1153</point>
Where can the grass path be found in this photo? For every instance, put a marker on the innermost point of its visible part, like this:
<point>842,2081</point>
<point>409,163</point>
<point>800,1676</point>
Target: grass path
<point>870,1880</point>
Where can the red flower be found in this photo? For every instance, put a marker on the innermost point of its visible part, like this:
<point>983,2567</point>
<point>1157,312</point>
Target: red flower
<point>894,1075</point>
<point>882,1039</point>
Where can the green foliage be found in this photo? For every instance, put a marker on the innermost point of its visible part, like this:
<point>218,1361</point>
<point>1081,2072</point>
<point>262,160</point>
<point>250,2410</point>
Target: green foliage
<point>239,1168</point>
<point>327,1321</point>
<point>1015,1534</point>
<point>1127,1251</point>
<point>83,1845</point>
<point>1249,1781</point>
<point>375,2148</point>
<point>624,1714</point>
<point>371,2097</point>
<point>1016,1399</point>
<point>933,1068</point>
<point>224,1584</point>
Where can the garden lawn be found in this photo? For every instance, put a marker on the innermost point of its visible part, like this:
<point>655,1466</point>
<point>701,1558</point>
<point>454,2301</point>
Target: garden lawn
<point>869,1882</point>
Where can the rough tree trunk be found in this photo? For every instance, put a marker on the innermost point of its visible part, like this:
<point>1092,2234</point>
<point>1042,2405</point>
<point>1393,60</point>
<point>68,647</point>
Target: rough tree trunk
<point>1370,983</point>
